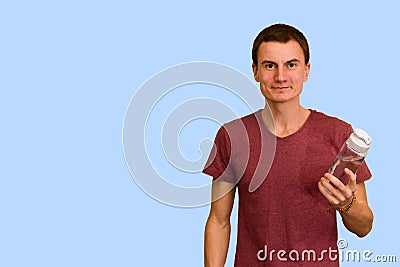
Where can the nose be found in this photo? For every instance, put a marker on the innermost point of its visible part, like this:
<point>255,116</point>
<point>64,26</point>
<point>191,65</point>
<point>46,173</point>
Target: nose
<point>280,74</point>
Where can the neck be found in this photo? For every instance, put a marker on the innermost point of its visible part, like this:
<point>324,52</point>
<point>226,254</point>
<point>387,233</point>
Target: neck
<point>287,119</point>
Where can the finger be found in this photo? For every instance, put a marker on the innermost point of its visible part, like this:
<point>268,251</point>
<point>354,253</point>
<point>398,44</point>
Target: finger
<point>352,184</point>
<point>336,193</point>
<point>330,197</point>
<point>335,181</point>
<point>342,192</point>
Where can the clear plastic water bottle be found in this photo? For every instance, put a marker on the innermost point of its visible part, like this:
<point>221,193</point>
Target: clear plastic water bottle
<point>352,154</point>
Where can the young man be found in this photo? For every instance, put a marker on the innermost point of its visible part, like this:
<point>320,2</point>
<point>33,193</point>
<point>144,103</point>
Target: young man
<point>283,221</point>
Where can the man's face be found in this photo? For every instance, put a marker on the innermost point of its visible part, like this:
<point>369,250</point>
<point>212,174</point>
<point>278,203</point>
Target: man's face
<point>281,71</point>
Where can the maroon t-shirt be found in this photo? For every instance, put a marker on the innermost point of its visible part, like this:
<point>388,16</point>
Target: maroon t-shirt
<point>282,218</point>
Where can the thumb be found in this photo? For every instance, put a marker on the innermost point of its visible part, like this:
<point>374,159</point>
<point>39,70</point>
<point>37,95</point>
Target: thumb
<point>352,184</point>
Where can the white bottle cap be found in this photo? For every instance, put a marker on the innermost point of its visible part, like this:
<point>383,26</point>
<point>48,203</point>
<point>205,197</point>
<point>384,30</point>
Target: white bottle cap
<point>359,141</point>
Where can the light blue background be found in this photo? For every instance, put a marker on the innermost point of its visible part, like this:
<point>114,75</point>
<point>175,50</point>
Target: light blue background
<point>68,70</point>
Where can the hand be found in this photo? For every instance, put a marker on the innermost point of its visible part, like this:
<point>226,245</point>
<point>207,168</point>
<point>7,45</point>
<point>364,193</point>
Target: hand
<point>338,194</point>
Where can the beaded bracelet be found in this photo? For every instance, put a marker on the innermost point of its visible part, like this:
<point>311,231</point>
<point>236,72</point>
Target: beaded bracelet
<point>345,209</point>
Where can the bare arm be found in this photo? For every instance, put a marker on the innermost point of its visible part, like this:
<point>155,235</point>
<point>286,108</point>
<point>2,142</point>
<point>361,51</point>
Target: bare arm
<point>218,227</point>
<point>359,218</point>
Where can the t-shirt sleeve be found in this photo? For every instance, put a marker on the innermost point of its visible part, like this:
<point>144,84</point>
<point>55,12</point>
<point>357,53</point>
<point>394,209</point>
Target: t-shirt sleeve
<point>363,173</point>
<point>218,164</point>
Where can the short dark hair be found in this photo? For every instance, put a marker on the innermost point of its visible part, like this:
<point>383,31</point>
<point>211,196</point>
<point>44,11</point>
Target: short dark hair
<point>281,33</point>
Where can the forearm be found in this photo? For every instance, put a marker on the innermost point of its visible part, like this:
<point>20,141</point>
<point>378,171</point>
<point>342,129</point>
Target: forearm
<point>356,216</point>
<point>216,242</point>
<point>358,219</point>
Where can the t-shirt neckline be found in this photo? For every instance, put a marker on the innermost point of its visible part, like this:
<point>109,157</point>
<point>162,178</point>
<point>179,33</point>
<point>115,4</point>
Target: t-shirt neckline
<point>265,129</point>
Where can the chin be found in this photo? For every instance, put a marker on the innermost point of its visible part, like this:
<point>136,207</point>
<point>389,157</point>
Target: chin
<point>279,100</point>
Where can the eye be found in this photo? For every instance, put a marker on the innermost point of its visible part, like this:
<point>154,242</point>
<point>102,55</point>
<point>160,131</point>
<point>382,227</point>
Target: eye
<point>270,66</point>
<point>292,65</point>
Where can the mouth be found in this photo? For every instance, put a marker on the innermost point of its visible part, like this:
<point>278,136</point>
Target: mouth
<point>280,87</point>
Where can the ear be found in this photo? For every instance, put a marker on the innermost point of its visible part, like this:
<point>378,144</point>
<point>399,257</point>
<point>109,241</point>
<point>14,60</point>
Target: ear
<point>307,72</point>
<point>255,72</point>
